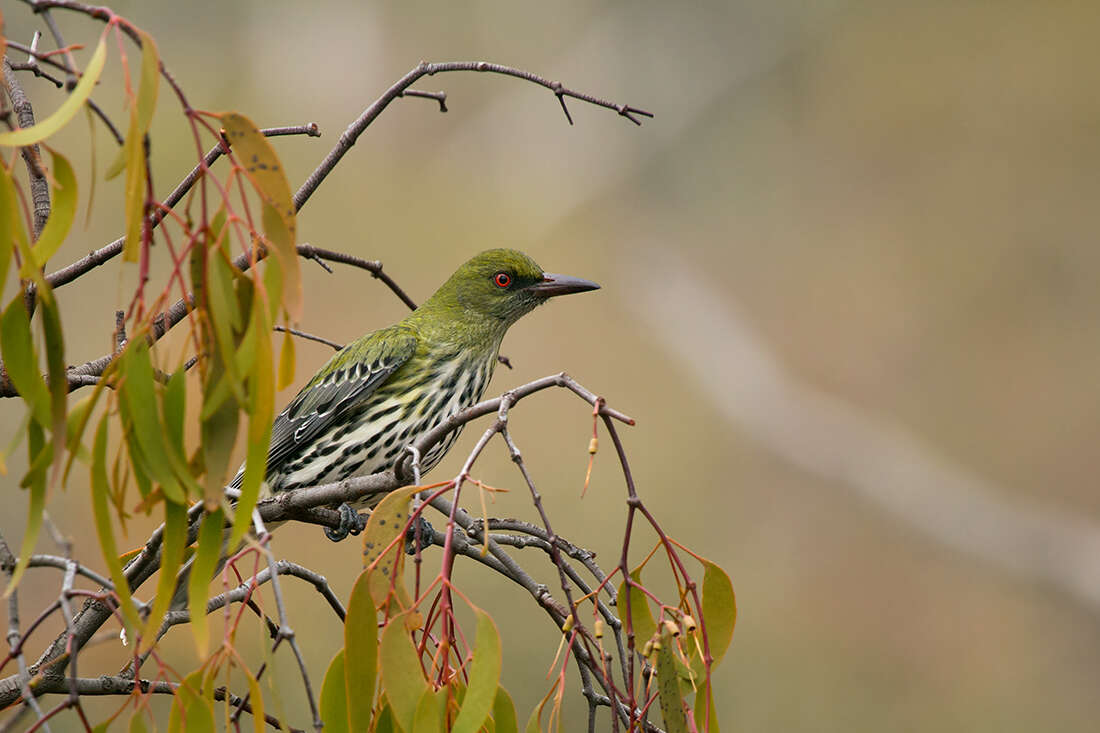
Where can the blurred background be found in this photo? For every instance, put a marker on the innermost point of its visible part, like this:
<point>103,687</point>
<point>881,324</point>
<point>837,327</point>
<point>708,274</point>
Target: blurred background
<point>849,293</point>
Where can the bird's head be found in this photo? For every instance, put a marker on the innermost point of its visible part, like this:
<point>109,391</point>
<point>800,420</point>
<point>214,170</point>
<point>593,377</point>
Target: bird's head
<point>501,285</point>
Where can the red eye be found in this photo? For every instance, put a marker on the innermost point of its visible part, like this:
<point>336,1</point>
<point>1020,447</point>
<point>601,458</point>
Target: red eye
<point>502,279</point>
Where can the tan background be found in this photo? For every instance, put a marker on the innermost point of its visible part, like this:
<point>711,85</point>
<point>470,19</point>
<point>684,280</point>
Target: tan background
<point>849,293</point>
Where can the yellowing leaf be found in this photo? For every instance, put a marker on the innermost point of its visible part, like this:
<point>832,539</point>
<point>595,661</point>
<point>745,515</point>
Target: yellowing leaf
<point>150,78</point>
<point>265,171</point>
<point>101,491</point>
<point>68,108</point>
<point>387,520</point>
<point>484,677</point>
<point>136,179</point>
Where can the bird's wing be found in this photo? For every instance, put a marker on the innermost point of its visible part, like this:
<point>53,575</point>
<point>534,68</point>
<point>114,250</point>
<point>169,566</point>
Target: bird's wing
<point>350,376</point>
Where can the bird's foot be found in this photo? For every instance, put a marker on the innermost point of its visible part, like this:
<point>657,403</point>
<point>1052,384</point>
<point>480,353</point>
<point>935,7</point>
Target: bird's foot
<point>426,534</point>
<point>351,522</point>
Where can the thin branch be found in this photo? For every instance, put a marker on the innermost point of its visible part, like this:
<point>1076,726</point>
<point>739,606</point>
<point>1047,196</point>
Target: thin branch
<point>32,156</point>
<point>401,86</point>
<point>97,257</point>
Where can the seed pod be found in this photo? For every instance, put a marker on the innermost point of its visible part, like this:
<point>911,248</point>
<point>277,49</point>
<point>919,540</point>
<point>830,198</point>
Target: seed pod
<point>689,624</point>
<point>597,628</point>
<point>593,446</point>
<point>569,623</point>
<point>671,627</point>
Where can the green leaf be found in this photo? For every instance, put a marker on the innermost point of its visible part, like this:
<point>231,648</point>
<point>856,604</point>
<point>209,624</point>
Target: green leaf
<point>386,522</point>
<point>402,677</point>
<point>68,108</point>
<point>175,409</point>
<point>56,371</point>
<point>191,710</point>
<point>207,552</point>
<point>62,212</point>
<point>360,654</point>
<point>504,713</point>
<point>706,717</point>
<point>136,179</point>
<point>20,360</point>
<point>484,677</point>
<point>640,616</point>
<point>384,723</point>
<point>175,539</point>
<point>11,223</point>
<point>39,453</point>
<point>334,697</point>
<point>719,608</point>
<point>164,459</point>
<point>431,712</point>
<point>137,723</point>
<point>668,686</point>
<point>261,383</point>
<point>150,78</point>
<point>263,168</point>
<point>101,491</point>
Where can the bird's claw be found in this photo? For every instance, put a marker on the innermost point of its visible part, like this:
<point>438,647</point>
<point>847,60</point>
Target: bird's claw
<point>426,533</point>
<point>351,522</point>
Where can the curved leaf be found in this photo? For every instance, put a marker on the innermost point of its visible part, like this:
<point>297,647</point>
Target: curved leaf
<point>101,491</point>
<point>484,677</point>
<point>360,654</point>
<point>431,712</point>
<point>386,521</point>
<point>402,677</point>
<point>62,213</point>
<point>334,697</point>
<point>68,108</point>
<point>191,712</point>
<point>175,538</point>
<point>504,713</point>
<point>207,552</point>
<point>265,171</point>
<point>719,608</point>
<point>640,617</point>
<point>668,687</point>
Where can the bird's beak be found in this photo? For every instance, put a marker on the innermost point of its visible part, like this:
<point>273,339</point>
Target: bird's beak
<point>553,284</point>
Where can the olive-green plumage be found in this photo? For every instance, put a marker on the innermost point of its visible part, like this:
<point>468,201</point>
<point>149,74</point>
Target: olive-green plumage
<point>379,393</point>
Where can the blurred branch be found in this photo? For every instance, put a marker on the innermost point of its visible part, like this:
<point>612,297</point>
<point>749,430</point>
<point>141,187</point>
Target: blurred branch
<point>843,444</point>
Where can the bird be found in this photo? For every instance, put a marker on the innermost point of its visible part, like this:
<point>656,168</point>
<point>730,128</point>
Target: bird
<point>381,392</point>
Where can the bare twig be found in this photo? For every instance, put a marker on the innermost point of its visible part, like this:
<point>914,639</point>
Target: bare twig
<point>355,129</point>
<point>32,156</point>
<point>309,336</point>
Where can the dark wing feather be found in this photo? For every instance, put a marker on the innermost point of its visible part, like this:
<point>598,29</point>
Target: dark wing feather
<point>348,378</point>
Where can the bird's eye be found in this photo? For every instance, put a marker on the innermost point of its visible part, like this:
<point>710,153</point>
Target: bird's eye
<point>502,279</point>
